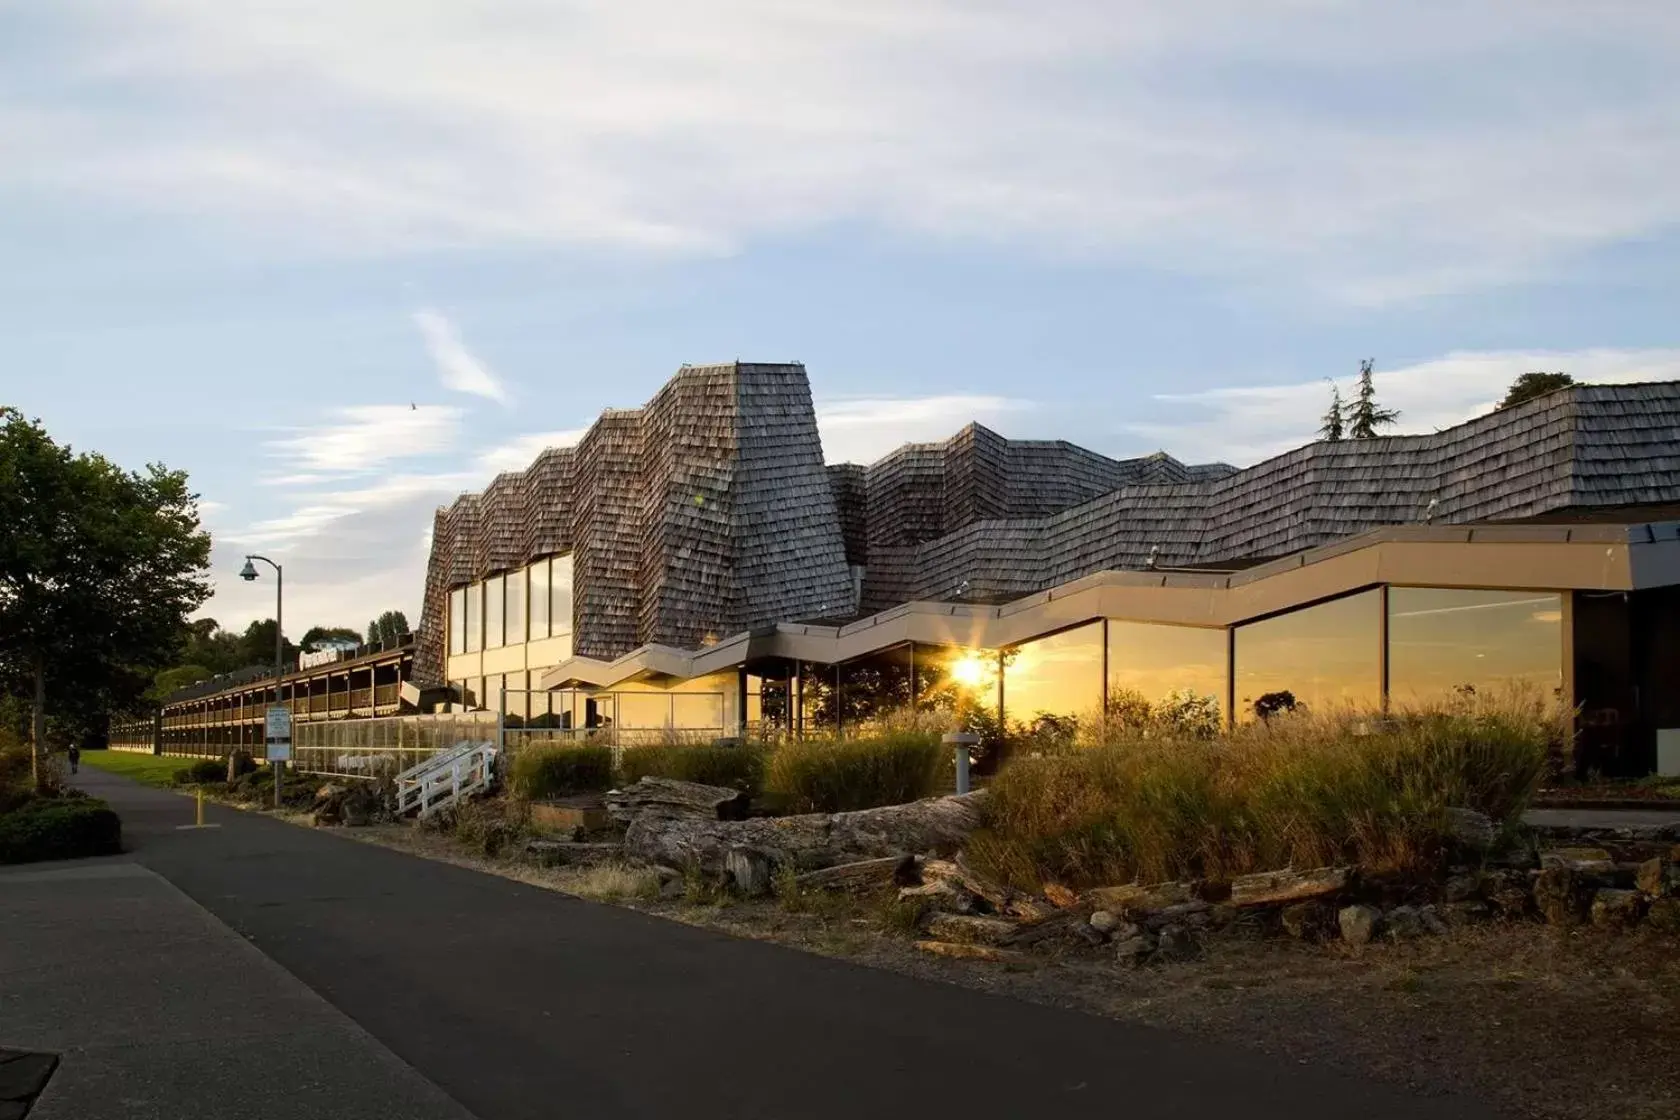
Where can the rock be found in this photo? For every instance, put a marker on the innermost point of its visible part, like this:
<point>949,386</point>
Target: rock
<point>667,874</point>
<point>1558,896</point>
<point>1472,911</point>
<point>1193,913</point>
<point>1583,860</point>
<point>1664,915</point>
<point>1308,921</point>
<point>1432,921</point>
<point>1175,943</point>
<point>750,870</point>
<point>1133,950</point>
<point>1403,923</point>
<point>1470,830</point>
<point>1461,888</point>
<point>1658,878</point>
<point>1105,921</point>
<point>1613,909</point>
<point>1060,896</point>
<point>961,951</point>
<point>1136,897</point>
<point>1270,887</point>
<point>971,930</point>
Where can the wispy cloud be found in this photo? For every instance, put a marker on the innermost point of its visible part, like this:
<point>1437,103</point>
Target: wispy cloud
<point>361,438</point>
<point>521,451</point>
<point>1369,151</point>
<point>861,430</point>
<point>1245,425</point>
<point>458,368</point>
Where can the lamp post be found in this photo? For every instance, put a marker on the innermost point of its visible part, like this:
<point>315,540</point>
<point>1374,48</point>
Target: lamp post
<point>249,573</point>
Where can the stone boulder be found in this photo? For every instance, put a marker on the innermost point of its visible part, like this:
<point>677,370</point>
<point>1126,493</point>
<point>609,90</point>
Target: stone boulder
<point>1308,921</point>
<point>1658,878</point>
<point>1616,910</point>
<point>1559,896</point>
<point>1358,923</point>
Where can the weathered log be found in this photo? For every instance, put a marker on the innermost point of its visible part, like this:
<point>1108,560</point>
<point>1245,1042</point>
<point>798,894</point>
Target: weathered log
<point>1004,900</point>
<point>558,852</point>
<point>812,841</point>
<point>971,929</point>
<point>1268,887</point>
<point>969,952</point>
<point>1137,897</point>
<point>669,799</point>
<point>750,870</point>
<point>862,875</point>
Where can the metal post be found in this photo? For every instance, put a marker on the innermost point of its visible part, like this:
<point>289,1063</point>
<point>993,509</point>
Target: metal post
<point>279,668</point>
<point>963,742</point>
<point>501,723</point>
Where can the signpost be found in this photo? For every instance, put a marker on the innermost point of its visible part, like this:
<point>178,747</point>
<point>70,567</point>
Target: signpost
<point>278,733</point>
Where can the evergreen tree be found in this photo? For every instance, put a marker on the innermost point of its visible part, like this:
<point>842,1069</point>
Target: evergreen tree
<point>1365,416</point>
<point>388,628</point>
<point>1333,427</point>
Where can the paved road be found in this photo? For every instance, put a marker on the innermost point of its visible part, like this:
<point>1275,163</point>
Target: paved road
<point>520,1002</point>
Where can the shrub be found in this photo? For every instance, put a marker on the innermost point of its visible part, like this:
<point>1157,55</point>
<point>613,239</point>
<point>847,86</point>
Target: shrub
<point>1297,789</point>
<point>834,776</point>
<point>550,770</point>
<point>739,767</point>
<point>53,828</point>
<point>203,772</point>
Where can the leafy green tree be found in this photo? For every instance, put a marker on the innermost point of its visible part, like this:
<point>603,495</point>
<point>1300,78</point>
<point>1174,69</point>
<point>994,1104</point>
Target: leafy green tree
<point>1365,416</point>
<point>257,645</point>
<point>388,628</point>
<point>1531,385</point>
<point>99,568</point>
<point>1334,426</point>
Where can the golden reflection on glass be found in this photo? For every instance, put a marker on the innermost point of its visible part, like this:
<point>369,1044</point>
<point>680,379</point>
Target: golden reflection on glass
<point>1443,641</point>
<point>1324,657</point>
<point>1149,661</point>
<point>1060,675</point>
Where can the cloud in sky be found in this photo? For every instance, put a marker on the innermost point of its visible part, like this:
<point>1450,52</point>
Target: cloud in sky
<point>864,429</point>
<point>361,438</point>
<point>458,368</point>
<point>1245,425</point>
<point>1366,151</point>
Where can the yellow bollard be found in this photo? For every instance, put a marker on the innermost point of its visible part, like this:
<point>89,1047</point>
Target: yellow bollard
<point>198,813</point>
<point>201,808</point>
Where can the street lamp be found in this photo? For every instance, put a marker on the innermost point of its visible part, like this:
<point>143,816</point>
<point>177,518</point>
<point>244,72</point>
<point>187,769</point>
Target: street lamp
<point>249,573</point>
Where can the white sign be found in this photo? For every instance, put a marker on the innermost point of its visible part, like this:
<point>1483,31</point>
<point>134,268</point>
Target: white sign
<point>279,723</point>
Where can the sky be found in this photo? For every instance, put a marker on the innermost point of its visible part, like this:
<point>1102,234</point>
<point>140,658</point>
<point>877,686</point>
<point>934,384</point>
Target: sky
<point>343,259</point>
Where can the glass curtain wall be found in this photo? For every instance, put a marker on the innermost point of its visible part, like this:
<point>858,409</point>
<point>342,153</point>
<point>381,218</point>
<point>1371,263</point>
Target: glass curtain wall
<point>1443,642</point>
<point>1150,663</point>
<point>1324,657</point>
<point>537,582</point>
<point>458,620</point>
<point>475,619</point>
<point>1055,683</point>
<point>513,627</point>
<point>494,621</point>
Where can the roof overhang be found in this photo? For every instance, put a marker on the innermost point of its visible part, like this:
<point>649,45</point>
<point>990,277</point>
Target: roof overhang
<point>1508,557</point>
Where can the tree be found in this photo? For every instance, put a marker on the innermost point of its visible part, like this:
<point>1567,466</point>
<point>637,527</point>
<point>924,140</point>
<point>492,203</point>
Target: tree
<point>1333,427</point>
<point>316,634</point>
<point>1532,385</point>
<point>1365,416</point>
<point>99,568</point>
<point>389,628</point>
<point>257,645</point>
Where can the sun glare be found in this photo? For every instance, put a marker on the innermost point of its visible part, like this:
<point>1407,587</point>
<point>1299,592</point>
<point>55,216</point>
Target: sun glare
<point>971,670</point>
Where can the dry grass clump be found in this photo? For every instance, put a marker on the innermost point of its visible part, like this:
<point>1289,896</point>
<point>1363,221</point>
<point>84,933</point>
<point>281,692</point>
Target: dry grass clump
<point>1300,790</point>
<point>840,775</point>
<point>740,767</point>
<point>613,882</point>
<point>556,770</point>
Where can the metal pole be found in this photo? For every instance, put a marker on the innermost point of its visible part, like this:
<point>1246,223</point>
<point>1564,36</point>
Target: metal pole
<point>279,666</point>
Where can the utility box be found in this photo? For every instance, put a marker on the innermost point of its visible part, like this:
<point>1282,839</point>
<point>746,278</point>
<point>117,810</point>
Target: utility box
<point>1668,752</point>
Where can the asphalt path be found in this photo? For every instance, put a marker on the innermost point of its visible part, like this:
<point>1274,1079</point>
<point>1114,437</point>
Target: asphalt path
<point>520,1002</point>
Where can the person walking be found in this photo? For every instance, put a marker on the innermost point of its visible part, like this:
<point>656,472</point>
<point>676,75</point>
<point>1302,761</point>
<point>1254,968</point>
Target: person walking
<point>75,757</point>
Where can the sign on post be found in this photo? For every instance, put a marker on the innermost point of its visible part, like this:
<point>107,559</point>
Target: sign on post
<point>278,721</point>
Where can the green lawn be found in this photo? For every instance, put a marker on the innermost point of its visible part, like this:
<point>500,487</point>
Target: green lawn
<point>154,770</point>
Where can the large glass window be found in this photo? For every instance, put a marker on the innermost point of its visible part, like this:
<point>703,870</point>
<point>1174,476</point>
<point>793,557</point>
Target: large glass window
<point>1442,641</point>
<point>1059,676</point>
<point>495,623</point>
<point>1323,657</point>
<point>539,599</point>
<point>458,620</point>
<point>514,628</point>
<point>874,686</point>
<point>1147,662</point>
<point>475,618</point>
<point>560,596</point>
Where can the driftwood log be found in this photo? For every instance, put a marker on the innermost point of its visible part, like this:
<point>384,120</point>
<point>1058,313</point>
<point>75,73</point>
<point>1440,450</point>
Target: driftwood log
<point>809,842</point>
<point>669,799</point>
<point>863,875</point>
